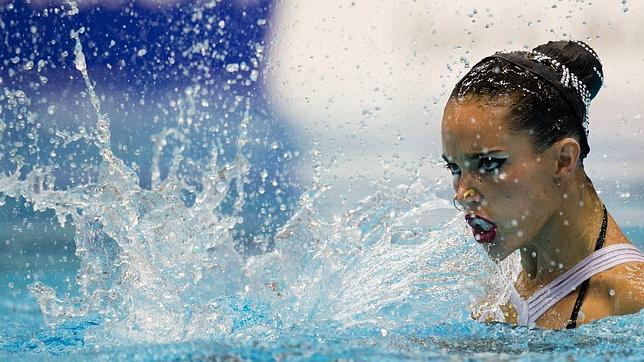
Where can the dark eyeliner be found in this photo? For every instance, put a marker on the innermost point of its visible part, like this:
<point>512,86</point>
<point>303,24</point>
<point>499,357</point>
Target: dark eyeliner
<point>498,161</point>
<point>450,166</point>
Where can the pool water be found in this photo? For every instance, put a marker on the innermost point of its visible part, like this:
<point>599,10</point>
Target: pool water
<point>430,322</point>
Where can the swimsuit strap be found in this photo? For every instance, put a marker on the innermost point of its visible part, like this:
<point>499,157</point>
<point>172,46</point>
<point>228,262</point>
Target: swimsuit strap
<point>590,266</point>
<point>584,286</point>
<point>520,305</point>
<point>602,259</point>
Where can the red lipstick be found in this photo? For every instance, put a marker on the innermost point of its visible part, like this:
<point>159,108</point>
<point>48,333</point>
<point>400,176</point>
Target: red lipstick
<point>484,230</point>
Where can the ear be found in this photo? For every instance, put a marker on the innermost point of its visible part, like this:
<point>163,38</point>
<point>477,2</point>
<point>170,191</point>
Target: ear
<point>567,153</point>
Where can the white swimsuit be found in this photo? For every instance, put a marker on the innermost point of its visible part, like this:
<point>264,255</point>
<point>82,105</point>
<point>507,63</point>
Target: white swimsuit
<point>601,260</point>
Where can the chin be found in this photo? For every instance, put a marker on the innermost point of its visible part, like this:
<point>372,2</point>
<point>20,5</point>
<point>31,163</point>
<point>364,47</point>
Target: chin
<point>499,249</point>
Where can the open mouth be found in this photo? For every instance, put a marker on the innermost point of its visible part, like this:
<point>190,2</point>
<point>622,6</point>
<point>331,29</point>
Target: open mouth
<point>484,230</point>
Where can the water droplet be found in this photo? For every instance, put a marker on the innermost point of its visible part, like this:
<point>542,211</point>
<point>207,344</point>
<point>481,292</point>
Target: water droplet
<point>51,109</point>
<point>383,332</point>
<point>465,61</point>
<point>232,67</point>
<point>581,316</point>
<point>253,75</point>
<point>624,195</point>
<point>220,186</point>
<point>142,52</point>
<point>79,61</point>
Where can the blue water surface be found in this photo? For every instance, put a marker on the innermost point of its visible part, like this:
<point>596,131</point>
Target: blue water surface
<point>24,335</point>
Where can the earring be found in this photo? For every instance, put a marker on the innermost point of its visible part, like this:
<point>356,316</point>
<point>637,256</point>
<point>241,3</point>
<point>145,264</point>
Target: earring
<point>470,192</point>
<point>456,205</point>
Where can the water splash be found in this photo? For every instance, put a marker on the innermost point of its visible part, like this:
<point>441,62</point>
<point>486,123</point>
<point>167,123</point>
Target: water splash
<point>156,268</point>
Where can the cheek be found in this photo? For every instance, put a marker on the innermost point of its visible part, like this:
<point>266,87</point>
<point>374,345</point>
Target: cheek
<point>512,195</point>
<point>520,200</point>
<point>524,181</point>
<point>508,186</point>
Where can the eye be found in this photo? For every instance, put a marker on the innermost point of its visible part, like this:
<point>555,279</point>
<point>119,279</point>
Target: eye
<point>490,164</point>
<point>453,168</point>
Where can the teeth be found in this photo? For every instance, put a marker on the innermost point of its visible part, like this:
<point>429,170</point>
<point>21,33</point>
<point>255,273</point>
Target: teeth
<point>483,224</point>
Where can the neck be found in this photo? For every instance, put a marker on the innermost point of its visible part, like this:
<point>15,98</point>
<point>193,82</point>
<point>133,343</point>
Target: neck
<point>568,236</point>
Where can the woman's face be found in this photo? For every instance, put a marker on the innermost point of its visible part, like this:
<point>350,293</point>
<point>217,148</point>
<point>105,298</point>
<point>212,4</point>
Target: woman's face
<point>508,191</point>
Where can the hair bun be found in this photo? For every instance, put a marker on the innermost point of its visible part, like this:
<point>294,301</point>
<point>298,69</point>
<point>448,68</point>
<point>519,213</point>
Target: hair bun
<point>580,59</point>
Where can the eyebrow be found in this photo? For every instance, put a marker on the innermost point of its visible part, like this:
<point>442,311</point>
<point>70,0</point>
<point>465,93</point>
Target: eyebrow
<point>476,155</point>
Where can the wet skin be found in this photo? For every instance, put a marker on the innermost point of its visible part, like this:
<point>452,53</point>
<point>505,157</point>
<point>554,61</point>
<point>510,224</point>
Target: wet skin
<point>542,204</point>
<point>519,195</point>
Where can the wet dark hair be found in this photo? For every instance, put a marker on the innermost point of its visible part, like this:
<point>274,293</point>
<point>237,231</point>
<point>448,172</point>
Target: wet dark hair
<point>542,101</point>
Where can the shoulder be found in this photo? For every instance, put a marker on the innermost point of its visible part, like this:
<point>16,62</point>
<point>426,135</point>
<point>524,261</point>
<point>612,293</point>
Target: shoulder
<point>624,287</point>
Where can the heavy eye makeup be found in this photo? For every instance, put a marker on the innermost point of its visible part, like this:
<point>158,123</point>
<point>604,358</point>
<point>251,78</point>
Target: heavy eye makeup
<point>453,168</point>
<point>484,164</point>
<point>489,164</point>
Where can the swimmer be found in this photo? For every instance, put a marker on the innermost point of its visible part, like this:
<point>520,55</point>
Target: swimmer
<point>514,136</point>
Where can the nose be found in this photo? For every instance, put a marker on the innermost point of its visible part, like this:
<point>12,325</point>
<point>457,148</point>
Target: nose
<point>467,194</point>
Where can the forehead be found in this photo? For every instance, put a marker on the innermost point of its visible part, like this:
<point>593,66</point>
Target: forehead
<point>472,126</point>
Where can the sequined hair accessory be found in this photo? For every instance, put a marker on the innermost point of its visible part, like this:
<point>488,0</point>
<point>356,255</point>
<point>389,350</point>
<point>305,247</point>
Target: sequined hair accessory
<point>555,72</point>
